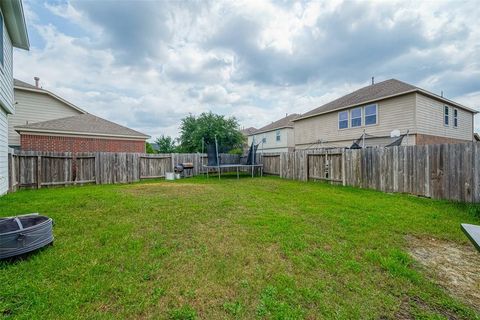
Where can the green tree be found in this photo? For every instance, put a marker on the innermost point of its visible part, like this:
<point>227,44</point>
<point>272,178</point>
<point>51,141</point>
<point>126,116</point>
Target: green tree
<point>149,148</point>
<point>206,127</point>
<point>166,144</point>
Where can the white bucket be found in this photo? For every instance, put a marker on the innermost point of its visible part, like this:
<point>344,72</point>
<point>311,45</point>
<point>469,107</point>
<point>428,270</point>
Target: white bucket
<point>177,175</point>
<point>169,176</point>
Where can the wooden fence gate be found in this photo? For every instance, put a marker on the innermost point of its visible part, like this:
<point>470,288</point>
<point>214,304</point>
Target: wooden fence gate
<point>326,167</point>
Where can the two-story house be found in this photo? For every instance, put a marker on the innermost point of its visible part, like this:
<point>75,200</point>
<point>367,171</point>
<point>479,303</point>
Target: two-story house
<point>378,110</point>
<point>13,33</point>
<point>46,122</point>
<point>35,104</point>
<point>277,136</point>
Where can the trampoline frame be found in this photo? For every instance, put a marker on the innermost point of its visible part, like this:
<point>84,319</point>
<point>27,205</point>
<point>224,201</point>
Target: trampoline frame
<point>219,166</point>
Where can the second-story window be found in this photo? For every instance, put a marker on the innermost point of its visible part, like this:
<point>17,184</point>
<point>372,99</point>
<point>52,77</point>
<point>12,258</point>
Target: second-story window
<point>370,114</point>
<point>455,118</point>
<point>343,120</point>
<point>356,117</point>
<point>277,135</point>
<point>264,139</point>
<point>445,116</point>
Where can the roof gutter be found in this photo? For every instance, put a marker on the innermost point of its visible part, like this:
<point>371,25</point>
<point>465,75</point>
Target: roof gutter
<point>15,22</point>
<point>21,129</point>
<point>429,94</point>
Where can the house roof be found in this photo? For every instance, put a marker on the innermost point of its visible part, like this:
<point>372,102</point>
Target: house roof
<point>286,122</point>
<point>15,22</point>
<point>21,85</point>
<point>83,124</point>
<point>248,131</point>
<point>382,90</point>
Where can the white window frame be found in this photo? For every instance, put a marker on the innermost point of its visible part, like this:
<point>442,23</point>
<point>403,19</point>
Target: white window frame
<point>455,118</point>
<point>348,119</point>
<point>365,115</point>
<point>446,116</point>
<point>278,136</point>
<point>352,118</point>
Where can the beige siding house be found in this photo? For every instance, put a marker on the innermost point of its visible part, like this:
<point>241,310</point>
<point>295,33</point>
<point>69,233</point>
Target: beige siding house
<point>13,33</point>
<point>278,136</point>
<point>369,115</point>
<point>34,104</point>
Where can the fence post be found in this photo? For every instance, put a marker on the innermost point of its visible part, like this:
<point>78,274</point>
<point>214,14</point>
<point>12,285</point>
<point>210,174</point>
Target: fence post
<point>97,168</point>
<point>39,172</point>
<point>11,172</point>
<point>172,155</point>
<point>344,179</point>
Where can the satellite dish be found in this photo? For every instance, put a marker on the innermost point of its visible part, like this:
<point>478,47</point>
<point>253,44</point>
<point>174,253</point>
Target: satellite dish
<point>395,133</point>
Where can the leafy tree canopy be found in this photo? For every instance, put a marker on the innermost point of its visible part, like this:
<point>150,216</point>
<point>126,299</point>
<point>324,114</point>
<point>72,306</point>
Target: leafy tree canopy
<point>166,144</point>
<point>149,148</point>
<point>207,126</point>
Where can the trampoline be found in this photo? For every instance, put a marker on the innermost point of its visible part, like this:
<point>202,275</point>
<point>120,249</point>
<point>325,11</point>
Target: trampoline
<point>214,161</point>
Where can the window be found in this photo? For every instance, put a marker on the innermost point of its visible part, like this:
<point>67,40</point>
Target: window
<point>370,114</point>
<point>455,118</point>
<point>264,139</point>
<point>277,135</point>
<point>445,116</point>
<point>1,39</point>
<point>356,117</point>
<point>343,120</point>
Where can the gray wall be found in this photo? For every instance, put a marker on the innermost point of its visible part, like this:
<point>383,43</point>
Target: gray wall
<point>6,106</point>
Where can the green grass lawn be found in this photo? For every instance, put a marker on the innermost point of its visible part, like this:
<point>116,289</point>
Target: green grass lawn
<point>209,249</point>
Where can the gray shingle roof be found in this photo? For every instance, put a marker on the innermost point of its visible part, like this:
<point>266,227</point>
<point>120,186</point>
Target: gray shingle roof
<point>285,122</point>
<point>248,131</point>
<point>369,93</point>
<point>87,124</point>
<point>372,93</point>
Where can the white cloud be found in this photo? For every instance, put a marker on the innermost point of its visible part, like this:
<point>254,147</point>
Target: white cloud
<point>148,65</point>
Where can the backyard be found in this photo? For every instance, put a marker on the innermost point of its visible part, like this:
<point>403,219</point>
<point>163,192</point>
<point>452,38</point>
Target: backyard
<point>227,249</point>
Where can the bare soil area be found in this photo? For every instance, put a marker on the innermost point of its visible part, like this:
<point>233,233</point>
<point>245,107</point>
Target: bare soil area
<point>455,267</point>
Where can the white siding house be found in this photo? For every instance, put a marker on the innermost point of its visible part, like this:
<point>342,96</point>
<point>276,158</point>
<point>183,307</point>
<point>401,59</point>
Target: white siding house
<point>13,33</point>
<point>275,137</point>
<point>34,104</point>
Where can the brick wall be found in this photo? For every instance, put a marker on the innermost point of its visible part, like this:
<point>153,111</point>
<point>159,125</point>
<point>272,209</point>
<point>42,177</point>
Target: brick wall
<point>422,139</point>
<point>79,144</point>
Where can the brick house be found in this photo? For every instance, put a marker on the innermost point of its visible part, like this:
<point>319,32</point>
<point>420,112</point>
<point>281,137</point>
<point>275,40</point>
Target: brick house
<point>80,133</point>
<point>378,110</point>
<point>35,104</point>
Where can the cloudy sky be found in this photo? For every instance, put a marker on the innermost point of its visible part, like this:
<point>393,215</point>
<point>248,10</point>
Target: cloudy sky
<point>148,64</point>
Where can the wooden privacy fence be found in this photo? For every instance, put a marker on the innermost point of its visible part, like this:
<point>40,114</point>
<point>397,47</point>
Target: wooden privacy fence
<point>444,171</point>
<point>31,169</point>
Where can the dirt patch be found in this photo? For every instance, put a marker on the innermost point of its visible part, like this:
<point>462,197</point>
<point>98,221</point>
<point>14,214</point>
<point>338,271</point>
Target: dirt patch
<point>453,266</point>
<point>177,189</point>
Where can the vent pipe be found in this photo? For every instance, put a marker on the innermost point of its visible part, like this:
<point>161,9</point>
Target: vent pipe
<point>37,80</point>
<point>373,81</point>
